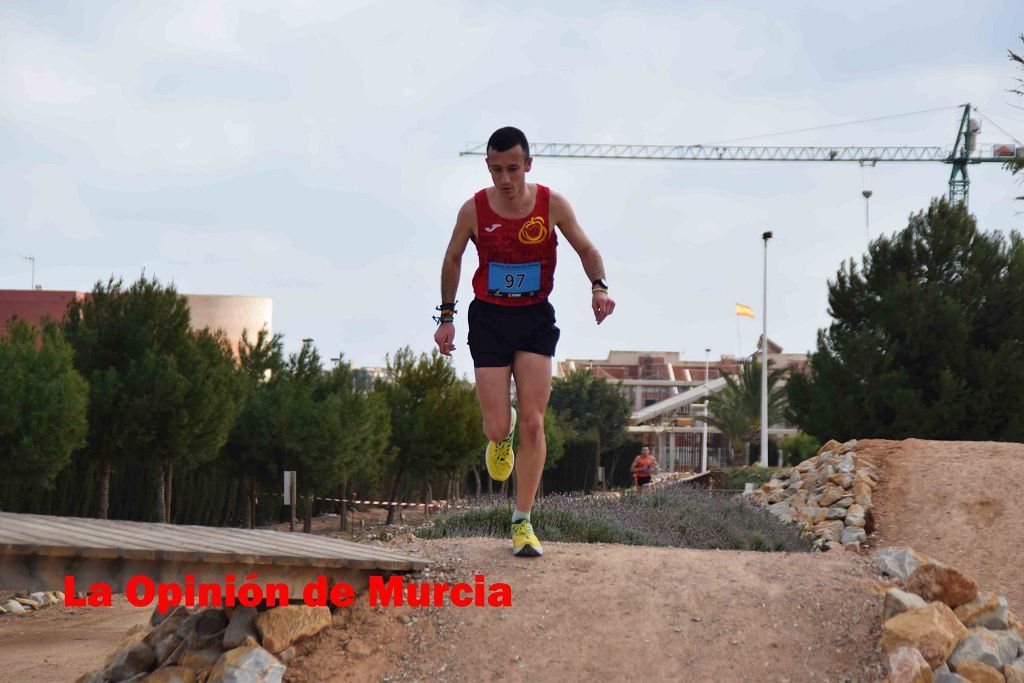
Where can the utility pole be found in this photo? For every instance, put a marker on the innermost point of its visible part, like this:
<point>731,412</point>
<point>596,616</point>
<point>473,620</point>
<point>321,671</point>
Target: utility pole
<point>704,444</point>
<point>764,356</point>
<point>867,215</point>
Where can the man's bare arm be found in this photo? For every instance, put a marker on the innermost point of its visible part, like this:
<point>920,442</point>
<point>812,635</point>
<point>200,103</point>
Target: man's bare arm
<point>590,257</point>
<point>451,271</point>
<point>451,266</point>
<point>565,217</point>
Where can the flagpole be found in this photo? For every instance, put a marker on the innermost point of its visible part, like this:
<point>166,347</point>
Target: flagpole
<point>739,342</point>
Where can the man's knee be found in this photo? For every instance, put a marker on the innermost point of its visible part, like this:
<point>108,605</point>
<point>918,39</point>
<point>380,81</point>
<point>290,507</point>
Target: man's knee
<point>497,429</point>
<point>531,428</point>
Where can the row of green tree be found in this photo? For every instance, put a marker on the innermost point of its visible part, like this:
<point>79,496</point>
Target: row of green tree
<point>122,410</point>
<point>926,339</point>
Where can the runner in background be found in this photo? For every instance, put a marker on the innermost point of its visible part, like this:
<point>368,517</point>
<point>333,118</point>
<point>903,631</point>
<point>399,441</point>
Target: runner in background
<point>644,467</point>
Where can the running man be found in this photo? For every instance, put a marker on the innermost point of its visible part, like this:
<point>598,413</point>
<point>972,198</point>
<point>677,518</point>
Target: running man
<point>643,468</point>
<point>512,330</point>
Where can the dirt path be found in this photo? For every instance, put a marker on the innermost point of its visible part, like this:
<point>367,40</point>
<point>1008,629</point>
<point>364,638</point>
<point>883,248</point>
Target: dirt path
<point>608,612</point>
<point>60,643</point>
<point>957,501</point>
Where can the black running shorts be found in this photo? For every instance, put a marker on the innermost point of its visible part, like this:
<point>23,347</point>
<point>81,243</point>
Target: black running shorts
<point>497,332</point>
<point>643,479</point>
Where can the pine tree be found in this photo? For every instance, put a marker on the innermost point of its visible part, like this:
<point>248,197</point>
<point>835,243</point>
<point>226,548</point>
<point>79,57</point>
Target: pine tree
<point>927,338</point>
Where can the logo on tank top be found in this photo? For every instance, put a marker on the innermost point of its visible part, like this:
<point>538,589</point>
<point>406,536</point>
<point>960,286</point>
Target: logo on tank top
<point>533,231</point>
<point>493,227</point>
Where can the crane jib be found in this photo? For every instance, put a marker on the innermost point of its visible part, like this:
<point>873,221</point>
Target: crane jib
<point>998,154</point>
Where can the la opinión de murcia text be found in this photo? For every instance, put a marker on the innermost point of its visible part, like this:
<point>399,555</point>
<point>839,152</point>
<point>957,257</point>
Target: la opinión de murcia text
<point>395,591</point>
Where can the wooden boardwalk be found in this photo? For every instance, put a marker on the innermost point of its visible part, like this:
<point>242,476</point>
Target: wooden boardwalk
<point>38,551</point>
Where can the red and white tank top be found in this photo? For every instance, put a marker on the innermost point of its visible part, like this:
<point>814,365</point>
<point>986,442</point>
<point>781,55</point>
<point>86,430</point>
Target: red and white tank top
<point>517,255</point>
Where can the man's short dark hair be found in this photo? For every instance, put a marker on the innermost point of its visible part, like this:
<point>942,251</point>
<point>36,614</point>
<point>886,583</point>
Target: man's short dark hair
<point>506,138</point>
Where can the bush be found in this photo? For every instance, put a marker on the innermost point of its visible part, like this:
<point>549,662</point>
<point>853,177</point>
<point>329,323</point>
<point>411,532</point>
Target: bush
<point>734,478</point>
<point>797,448</point>
<point>676,516</point>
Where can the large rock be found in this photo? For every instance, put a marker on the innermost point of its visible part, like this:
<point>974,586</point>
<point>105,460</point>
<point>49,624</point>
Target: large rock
<point>855,516</point>
<point>906,665</point>
<point>1015,624</point>
<point>199,660</point>
<point>248,665</point>
<point>164,648</point>
<point>15,607</point>
<point>1014,671</point>
<point>206,622</point>
<point>988,610</point>
<point>282,626</point>
<point>830,495</point>
<point>171,674</point>
<point>164,638</point>
<point>131,661</point>
<point>898,602</point>
<point>948,676</point>
<point>934,630</point>
<point>995,648</point>
<point>936,581</point>
<point>830,446</point>
<point>242,624</point>
<point>853,535</point>
<point>976,672</point>
<point>846,465</point>
<point>899,563</point>
<point>848,446</point>
<point>835,513</point>
<point>136,634</point>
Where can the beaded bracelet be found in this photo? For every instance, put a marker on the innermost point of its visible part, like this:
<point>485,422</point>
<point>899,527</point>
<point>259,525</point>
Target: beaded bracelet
<point>447,313</point>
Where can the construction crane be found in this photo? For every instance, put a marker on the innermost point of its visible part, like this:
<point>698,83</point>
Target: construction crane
<point>963,153</point>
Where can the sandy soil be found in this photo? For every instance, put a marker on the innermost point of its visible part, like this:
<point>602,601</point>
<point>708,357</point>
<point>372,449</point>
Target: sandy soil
<point>957,501</point>
<point>601,612</point>
<point>60,643</point>
<point>607,612</point>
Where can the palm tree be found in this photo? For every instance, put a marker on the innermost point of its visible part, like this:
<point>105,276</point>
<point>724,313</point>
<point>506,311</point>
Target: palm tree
<point>736,410</point>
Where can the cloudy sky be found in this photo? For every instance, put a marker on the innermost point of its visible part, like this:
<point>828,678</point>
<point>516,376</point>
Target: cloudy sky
<point>308,151</point>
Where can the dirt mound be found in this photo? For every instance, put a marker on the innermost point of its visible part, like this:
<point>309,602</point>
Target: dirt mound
<point>612,612</point>
<point>958,501</point>
<point>605,612</point>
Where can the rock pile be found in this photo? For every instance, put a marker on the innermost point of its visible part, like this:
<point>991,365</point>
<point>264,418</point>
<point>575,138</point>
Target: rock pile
<point>22,604</point>
<point>241,644</point>
<point>828,495</point>
<point>941,627</point>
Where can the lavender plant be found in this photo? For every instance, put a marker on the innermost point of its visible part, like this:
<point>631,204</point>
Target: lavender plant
<point>675,516</point>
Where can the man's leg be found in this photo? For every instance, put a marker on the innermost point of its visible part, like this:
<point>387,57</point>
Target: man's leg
<point>492,389</point>
<point>533,389</point>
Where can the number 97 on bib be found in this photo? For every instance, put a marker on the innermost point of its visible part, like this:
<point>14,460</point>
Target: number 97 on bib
<point>513,279</point>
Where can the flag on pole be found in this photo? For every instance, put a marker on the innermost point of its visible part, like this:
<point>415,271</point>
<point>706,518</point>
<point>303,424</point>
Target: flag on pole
<point>744,311</point>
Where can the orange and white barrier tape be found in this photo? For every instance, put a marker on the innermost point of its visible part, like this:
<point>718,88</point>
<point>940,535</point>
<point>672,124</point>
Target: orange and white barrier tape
<point>388,503</point>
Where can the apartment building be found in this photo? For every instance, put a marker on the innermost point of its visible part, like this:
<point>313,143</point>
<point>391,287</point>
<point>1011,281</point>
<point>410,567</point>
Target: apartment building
<point>667,392</point>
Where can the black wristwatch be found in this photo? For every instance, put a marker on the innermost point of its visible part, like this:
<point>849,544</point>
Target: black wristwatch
<point>599,284</point>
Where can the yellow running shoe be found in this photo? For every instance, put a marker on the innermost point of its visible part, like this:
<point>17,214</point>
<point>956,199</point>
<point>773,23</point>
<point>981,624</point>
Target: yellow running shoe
<point>499,455</point>
<point>524,542</point>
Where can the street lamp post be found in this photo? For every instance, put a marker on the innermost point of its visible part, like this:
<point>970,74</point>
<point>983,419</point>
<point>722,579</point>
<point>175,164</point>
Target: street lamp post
<point>704,445</point>
<point>32,259</point>
<point>764,355</point>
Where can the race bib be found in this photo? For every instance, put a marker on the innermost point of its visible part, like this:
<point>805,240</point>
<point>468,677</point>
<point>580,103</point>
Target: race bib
<point>513,279</point>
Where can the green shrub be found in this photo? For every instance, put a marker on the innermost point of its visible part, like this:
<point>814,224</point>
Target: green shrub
<point>797,448</point>
<point>734,478</point>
